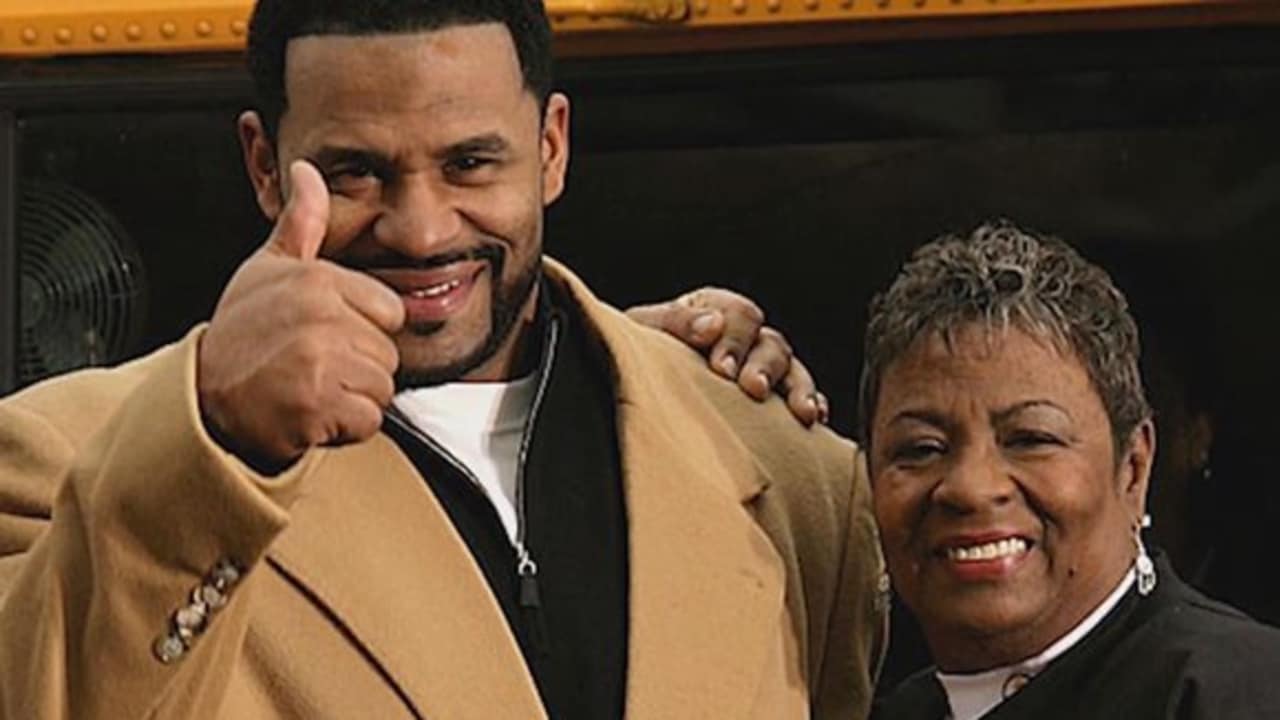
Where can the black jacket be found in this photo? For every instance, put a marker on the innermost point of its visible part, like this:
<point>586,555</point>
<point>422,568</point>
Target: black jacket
<point>1174,654</point>
<point>569,615</point>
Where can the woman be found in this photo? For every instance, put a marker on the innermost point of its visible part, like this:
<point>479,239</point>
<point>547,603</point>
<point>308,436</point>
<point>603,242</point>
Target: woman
<point>1009,445</point>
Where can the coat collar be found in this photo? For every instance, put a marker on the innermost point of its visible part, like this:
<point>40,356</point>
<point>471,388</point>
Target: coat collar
<point>372,545</point>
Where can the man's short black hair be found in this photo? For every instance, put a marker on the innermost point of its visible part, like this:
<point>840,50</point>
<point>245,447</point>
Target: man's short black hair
<point>276,22</point>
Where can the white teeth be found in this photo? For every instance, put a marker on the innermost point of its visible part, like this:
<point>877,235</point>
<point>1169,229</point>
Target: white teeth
<point>436,290</point>
<point>988,551</point>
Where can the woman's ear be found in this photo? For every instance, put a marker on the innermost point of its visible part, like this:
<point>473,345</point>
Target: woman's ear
<point>1135,467</point>
<point>260,164</point>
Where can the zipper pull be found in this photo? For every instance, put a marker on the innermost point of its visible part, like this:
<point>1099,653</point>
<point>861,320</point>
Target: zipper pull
<point>531,603</point>
<point>527,570</point>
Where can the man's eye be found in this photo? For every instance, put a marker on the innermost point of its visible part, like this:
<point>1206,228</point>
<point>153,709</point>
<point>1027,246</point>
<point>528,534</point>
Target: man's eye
<point>350,177</point>
<point>465,164</point>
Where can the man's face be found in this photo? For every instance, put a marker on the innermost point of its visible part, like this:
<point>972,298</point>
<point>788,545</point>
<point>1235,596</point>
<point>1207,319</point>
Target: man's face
<point>439,163</point>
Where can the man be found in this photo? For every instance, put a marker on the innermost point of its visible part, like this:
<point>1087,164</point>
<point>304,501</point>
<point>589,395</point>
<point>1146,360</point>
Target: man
<point>298,512</point>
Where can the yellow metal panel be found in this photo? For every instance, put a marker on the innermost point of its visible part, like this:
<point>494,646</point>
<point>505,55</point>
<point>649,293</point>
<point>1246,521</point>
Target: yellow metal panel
<point>55,27</point>
<point>60,27</point>
<point>746,13</point>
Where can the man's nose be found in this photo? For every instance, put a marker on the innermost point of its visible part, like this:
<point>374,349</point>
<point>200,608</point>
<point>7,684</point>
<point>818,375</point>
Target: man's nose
<point>421,218</point>
<point>974,480</point>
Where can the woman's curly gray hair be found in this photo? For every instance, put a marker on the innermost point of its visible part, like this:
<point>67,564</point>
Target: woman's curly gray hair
<point>1002,275</point>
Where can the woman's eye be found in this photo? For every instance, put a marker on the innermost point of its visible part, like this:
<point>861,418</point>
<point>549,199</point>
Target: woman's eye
<point>918,451</point>
<point>1030,439</point>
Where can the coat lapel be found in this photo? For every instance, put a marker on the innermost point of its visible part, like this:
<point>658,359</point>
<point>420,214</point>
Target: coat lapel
<point>372,545</point>
<point>707,585</point>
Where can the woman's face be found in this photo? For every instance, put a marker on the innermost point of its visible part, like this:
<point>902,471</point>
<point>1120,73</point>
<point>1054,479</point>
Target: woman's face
<point>1004,516</point>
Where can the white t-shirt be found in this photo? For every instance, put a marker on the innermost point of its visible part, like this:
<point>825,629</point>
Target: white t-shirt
<point>481,424</point>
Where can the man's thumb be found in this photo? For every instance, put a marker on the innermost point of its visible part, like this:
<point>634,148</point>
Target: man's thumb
<point>301,227</point>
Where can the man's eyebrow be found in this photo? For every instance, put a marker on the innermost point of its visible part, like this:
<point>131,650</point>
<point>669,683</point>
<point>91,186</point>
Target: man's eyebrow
<point>491,143</point>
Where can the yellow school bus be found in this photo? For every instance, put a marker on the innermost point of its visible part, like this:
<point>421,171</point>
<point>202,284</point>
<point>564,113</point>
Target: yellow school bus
<point>44,28</point>
<point>793,149</point>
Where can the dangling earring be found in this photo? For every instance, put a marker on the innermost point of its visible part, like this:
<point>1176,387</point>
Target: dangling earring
<point>1146,569</point>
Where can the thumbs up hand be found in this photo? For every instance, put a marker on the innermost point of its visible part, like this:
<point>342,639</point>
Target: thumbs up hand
<point>299,351</point>
<point>300,229</point>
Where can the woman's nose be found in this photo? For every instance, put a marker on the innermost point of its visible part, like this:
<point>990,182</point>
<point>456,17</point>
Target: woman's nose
<point>973,481</point>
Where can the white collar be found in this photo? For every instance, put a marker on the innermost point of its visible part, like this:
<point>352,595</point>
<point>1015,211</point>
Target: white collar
<point>973,695</point>
<point>472,406</point>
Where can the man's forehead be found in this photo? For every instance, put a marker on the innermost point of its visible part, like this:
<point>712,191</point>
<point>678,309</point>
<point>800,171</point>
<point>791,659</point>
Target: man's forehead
<point>405,93</point>
<point>458,67</point>
<point>486,45</point>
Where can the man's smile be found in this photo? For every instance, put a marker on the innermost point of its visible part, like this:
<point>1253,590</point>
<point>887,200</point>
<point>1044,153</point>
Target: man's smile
<point>434,295</point>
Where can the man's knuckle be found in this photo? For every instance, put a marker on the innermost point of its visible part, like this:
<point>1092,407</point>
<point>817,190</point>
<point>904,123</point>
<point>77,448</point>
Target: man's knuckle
<point>316,430</point>
<point>368,423</point>
<point>310,350</point>
<point>385,390</point>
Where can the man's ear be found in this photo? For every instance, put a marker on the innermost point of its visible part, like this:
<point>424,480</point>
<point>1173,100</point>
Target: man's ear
<point>260,163</point>
<point>1135,467</point>
<point>555,147</point>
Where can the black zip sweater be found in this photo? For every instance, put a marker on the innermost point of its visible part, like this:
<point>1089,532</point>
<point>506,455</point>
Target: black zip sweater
<point>568,608</point>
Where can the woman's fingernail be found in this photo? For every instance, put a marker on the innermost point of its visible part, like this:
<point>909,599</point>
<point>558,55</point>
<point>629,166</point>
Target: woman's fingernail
<point>703,323</point>
<point>824,410</point>
<point>729,366</point>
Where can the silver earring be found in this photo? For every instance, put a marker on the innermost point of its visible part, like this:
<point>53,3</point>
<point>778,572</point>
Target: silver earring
<point>1146,569</point>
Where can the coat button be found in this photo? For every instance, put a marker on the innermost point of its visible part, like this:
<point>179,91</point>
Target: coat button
<point>209,596</point>
<point>191,617</point>
<point>169,648</point>
<point>224,575</point>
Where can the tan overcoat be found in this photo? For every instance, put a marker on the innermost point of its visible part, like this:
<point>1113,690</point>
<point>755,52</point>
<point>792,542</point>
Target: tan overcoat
<point>753,560</point>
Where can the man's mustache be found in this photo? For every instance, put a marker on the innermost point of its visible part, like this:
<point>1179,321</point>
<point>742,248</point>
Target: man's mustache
<point>492,254</point>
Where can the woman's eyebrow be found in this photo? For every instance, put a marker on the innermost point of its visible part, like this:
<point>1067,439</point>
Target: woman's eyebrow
<point>1018,407</point>
<point>928,417</point>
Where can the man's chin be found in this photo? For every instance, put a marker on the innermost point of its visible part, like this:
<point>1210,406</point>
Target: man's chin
<point>412,373</point>
<point>418,368</point>
<point>408,379</point>
<point>431,354</point>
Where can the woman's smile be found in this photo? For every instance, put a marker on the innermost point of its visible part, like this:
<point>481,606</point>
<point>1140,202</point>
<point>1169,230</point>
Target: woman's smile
<point>983,557</point>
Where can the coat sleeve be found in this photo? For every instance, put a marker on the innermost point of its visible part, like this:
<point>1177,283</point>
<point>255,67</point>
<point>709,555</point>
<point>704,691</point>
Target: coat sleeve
<point>115,506</point>
<point>1229,674</point>
<point>858,630</point>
